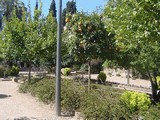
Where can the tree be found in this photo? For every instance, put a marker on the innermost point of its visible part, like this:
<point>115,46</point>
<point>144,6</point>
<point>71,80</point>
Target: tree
<point>70,9</point>
<point>52,9</point>
<point>21,38</point>
<point>136,28</point>
<point>88,39</point>
<point>30,40</point>
<point>49,34</point>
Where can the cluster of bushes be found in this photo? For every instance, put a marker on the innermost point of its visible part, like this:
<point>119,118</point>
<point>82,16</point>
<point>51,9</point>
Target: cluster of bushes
<point>6,71</point>
<point>101,103</point>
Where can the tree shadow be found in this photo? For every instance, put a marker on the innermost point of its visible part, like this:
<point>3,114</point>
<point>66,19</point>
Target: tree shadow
<point>2,96</point>
<point>25,118</point>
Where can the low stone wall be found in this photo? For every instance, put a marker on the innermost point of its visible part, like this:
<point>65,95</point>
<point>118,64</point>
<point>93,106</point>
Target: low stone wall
<point>118,72</point>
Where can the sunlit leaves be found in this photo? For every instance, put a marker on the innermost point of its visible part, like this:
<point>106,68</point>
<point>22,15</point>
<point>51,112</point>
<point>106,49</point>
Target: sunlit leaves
<point>87,36</point>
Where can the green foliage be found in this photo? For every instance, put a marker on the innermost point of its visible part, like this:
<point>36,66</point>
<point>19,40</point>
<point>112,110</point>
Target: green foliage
<point>43,89</point>
<point>158,81</point>
<point>136,27</point>
<point>109,64</point>
<point>71,96</point>
<point>87,36</point>
<point>24,88</point>
<point>101,105</point>
<point>70,8</point>
<point>135,101</point>
<point>14,71</point>
<point>153,113</point>
<point>94,107</point>
<point>66,71</point>
<point>3,70</point>
<point>102,77</point>
<point>52,9</point>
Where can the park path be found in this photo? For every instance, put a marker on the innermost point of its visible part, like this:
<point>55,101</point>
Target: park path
<point>18,106</point>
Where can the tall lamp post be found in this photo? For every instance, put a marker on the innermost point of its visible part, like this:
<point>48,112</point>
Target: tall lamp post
<point>58,63</point>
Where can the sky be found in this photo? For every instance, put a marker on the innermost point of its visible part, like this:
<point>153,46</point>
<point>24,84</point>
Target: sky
<point>82,5</point>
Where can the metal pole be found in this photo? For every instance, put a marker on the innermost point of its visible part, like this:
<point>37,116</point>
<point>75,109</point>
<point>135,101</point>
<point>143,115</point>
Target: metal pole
<point>58,63</point>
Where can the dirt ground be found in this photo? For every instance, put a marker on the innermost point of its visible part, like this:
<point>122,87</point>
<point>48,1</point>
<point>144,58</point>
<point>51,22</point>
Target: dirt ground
<point>18,106</point>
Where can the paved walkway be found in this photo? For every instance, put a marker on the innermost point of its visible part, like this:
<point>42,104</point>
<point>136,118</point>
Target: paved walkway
<point>137,82</point>
<point>18,106</point>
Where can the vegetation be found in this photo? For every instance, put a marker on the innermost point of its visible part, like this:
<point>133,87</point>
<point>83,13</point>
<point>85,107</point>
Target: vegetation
<point>136,28</point>
<point>135,101</point>
<point>88,39</point>
<point>102,77</point>
<point>14,71</point>
<point>66,71</point>
<point>102,102</point>
<point>126,34</point>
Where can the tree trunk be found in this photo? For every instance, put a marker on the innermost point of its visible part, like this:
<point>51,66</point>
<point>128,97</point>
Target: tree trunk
<point>89,75</point>
<point>155,95</point>
<point>128,72</point>
<point>29,73</point>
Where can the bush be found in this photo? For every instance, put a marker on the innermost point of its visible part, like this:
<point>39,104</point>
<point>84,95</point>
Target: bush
<point>14,71</point>
<point>101,105</point>
<point>66,71</point>
<point>2,70</point>
<point>153,113</point>
<point>70,99</point>
<point>135,101</point>
<point>102,77</point>
<point>43,89</point>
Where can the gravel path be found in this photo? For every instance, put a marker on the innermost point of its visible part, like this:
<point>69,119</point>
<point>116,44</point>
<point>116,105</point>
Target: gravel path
<point>18,106</point>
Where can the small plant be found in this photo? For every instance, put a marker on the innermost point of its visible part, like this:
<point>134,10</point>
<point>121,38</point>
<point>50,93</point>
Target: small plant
<point>2,70</point>
<point>135,101</point>
<point>66,71</point>
<point>14,71</point>
<point>102,77</point>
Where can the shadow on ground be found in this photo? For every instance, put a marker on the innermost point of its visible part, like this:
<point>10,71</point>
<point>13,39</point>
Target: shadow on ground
<point>25,118</point>
<point>2,96</point>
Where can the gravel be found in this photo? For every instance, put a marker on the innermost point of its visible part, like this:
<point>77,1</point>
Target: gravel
<point>18,106</point>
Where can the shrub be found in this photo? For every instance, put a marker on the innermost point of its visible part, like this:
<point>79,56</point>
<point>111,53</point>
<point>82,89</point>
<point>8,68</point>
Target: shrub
<point>23,88</point>
<point>101,77</point>
<point>66,71</point>
<point>101,105</point>
<point>2,70</point>
<point>43,89</point>
<point>135,101</point>
<point>153,113</point>
<point>14,71</point>
<point>92,108</point>
<point>70,99</point>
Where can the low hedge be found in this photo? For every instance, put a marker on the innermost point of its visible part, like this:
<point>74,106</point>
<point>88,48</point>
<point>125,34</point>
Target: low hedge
<point>101,103</point>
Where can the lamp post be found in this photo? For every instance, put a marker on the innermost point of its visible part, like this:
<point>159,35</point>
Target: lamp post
<point>58,63</point>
